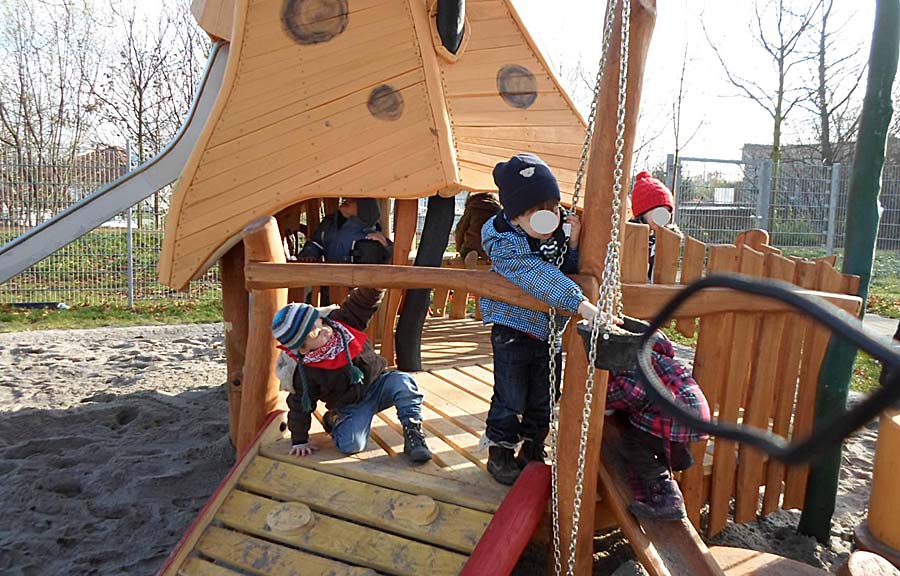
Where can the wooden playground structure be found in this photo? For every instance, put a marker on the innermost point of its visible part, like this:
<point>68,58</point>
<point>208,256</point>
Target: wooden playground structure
<point>360,98</point>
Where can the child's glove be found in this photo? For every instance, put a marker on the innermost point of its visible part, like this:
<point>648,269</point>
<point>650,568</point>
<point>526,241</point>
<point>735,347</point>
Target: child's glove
<point>587,310</point>
<point>305,449</point>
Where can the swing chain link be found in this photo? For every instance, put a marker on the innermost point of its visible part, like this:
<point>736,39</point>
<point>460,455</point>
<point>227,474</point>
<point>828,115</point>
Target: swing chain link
<point>610,302</point>
<point>610,289</point>
<point>554,344</point>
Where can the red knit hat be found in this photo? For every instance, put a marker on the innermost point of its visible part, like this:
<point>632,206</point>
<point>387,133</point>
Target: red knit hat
<point>648,193</point>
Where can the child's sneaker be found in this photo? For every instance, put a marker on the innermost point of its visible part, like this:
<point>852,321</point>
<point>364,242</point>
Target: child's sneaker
<point>414,445</point>
<point>502,465</point>
<point>660,500</point>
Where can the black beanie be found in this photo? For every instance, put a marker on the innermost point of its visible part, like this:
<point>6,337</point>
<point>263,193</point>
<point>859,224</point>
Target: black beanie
<point>525,181</point>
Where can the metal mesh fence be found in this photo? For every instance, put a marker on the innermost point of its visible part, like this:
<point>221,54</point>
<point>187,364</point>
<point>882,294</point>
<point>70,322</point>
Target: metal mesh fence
<point>799,206</point>
<point>715,200</point>
<point>95,268</point>
<point>805,209</point>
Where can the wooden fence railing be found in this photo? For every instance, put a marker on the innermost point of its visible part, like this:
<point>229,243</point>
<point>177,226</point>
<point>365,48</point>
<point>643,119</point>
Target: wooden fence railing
<point>757,368</point>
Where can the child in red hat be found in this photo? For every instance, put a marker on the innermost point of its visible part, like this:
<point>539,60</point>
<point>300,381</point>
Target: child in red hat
<point>652,204</point>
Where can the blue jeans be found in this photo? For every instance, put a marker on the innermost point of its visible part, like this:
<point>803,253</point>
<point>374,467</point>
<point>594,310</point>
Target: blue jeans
<point>351,431</point>
<point>520,407</point>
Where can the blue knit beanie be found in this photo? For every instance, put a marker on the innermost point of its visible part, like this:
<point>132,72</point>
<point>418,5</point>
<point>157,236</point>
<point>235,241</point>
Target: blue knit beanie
<point>525,181</point>
<point>293,323</point>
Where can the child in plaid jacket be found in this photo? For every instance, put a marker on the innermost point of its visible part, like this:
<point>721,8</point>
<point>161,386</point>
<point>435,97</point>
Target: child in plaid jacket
<point>656,444</point>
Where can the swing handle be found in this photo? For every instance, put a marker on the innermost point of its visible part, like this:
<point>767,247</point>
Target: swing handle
<point>826,434</point>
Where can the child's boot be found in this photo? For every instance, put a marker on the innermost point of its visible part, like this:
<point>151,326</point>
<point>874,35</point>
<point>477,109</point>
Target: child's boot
<point>329,419</point>
<point>532,450</point>
<point>502,465</point>
<point>414,445</point>
<point>680,457</point>
<point>659,499</point>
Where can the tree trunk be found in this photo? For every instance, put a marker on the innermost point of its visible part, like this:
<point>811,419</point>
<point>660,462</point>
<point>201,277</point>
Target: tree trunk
<point>824,120</point>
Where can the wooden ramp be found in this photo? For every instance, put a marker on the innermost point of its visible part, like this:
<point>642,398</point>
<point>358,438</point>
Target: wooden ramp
<point>362,514</point>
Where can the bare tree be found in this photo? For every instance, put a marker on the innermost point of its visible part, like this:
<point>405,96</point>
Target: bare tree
<point>837,78</point>
<point>894,129</point>
<point>677,105</point>
<point>49,55</point>
<point>780,31</point>
<point>149,84</point>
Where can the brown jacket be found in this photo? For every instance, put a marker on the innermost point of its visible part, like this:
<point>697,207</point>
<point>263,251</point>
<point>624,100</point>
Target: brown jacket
<point>334,387</point>
<point>479,209</point>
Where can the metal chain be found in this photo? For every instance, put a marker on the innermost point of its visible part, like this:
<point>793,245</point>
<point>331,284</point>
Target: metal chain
<point>589,132</point>
<point>556,334</point>
<point>610,302</point>
<point>611,282</point>
<point>553,342</point>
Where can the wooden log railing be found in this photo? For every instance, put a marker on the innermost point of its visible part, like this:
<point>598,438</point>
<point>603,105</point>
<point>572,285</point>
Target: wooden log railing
<point>641,300</point>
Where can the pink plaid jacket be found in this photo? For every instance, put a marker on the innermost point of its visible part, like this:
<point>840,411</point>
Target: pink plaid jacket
<point>627,394</point>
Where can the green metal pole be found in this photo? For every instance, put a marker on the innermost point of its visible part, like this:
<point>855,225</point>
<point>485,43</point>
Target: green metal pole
<point>863,213</point>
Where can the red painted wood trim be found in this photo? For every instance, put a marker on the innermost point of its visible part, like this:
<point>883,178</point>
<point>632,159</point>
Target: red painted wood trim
<point>513,524</point>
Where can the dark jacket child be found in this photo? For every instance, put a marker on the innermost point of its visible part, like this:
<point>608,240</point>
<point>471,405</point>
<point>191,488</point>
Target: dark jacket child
<point>536,261</point>
<point>336,364</point>
<point>351,234</point>
<point>479,209</point>
<point>655,444</point>
<point>354,221</point>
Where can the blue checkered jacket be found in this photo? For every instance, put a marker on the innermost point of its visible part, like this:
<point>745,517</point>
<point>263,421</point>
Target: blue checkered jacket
<point>516,257</point>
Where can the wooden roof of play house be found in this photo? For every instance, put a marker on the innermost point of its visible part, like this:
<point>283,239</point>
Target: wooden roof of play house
<point>326,98</point>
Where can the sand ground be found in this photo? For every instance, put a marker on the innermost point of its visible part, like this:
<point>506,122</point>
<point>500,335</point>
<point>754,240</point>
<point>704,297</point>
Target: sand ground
<point>112,439</point>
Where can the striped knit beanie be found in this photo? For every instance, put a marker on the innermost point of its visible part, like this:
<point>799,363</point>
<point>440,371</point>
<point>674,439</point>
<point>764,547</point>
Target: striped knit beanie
<point>293,323</point>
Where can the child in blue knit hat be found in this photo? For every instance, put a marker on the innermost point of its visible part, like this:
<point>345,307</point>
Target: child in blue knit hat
<point>528,244</point>
<point>334,362</point>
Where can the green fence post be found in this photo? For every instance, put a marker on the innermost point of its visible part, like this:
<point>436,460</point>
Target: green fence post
<point>861,234</point>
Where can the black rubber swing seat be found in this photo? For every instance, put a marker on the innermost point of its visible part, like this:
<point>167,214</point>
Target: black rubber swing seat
<point>617,350</point>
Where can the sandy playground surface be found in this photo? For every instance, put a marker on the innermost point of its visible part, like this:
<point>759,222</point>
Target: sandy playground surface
<point>112,439</point>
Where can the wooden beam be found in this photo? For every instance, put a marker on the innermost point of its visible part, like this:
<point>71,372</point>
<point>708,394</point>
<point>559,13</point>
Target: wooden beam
<point>236,316</point>
<point>595,235</point>
<point>490,284</point>
<point>405,216</point>
<point>260,390</point>
<point>641,300</point>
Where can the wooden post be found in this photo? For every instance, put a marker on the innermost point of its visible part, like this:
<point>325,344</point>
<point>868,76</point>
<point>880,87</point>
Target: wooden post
<point>405,214</point>
<point>880,533</point>
<point>235,313</point>
<point>595,236</point>
<point>260,390</point>
<point>289,223</point>
<point>313,219</point>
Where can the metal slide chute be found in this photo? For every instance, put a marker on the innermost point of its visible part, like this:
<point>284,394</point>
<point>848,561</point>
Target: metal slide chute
<point>114,198</point>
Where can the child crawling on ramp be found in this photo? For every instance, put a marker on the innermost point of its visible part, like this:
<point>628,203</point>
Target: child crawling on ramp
<point>332,361</point>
